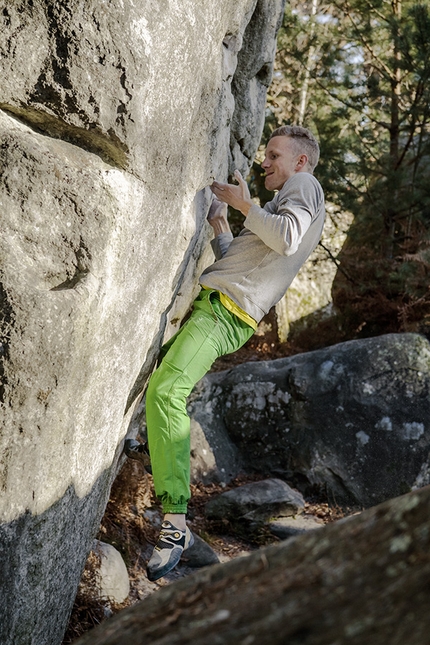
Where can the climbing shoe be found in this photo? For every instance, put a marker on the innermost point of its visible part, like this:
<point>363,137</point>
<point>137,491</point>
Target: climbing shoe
<point>139,451</point>
<point>167,552</point>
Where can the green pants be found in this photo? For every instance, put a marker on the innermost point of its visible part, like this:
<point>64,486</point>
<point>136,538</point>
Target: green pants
<point>210,332</point>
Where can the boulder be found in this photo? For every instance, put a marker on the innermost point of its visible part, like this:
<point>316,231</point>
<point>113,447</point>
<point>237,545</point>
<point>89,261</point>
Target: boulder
<point>111,575</point>
<point>353,419</point>
<point>114,118</point>
<point>201,554</point>
<point>214,456</point>
<point>358,581</point>
<point>256,502</point>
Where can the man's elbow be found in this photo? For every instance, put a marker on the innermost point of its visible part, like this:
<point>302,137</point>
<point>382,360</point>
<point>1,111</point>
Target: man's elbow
<point>289,249</point>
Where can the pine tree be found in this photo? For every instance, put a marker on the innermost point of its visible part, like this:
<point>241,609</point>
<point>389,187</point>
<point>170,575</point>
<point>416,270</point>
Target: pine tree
<point>358,72</point>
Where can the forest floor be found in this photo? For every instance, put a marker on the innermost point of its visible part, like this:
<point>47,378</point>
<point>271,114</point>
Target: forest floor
<point>133,516</point>
<point>131,524</point>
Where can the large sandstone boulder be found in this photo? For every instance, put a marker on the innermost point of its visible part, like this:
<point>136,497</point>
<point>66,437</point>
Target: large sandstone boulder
<point>114,118</point>
<point>353,418</point>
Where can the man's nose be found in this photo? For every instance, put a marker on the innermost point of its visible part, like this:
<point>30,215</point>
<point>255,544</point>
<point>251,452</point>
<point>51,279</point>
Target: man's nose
<point>265,163</point>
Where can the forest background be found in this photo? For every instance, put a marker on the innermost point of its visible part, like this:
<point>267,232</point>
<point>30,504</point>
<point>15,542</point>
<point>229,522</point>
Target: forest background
<point>357,74</point>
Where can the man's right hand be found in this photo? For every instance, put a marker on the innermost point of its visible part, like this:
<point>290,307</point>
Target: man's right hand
<point>235,195</point>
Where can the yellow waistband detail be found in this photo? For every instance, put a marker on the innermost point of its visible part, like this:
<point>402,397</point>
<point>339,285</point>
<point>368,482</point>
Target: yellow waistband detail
<point>229,304</point>
<point>237,311</point>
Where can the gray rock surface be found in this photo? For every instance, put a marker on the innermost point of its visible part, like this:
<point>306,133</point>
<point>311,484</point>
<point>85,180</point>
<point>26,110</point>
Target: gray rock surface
<point>256,502</point>
<point>286,527</point>
<point>114,118</point>
<point>214,456</point>
<point>353,418</point>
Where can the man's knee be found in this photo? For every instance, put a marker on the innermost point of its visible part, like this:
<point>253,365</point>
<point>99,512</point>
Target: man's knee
<point>164,383</point>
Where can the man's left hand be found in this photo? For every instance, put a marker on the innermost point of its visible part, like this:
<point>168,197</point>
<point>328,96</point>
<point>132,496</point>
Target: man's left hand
<point>236,196</point>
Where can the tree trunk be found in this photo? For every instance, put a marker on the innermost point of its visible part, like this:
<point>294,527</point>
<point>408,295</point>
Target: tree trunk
<point>396,89</point>
<point>309,63</point>
<point>359,581</point>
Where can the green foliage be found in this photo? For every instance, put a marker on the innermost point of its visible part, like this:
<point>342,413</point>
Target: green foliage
<point>357,73</point>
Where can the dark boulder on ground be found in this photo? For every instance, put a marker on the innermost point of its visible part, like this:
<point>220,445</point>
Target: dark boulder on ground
<point>256,502</point>
<point>201,554</point>
<point>353,419</point>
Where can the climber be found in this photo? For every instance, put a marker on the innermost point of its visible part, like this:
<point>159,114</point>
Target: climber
<point>251,274</point>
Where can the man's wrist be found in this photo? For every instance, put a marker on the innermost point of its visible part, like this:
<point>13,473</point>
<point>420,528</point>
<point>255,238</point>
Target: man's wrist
<point>245,208</point>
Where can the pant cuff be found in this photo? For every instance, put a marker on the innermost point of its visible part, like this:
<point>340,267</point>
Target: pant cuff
<point>179,509</point>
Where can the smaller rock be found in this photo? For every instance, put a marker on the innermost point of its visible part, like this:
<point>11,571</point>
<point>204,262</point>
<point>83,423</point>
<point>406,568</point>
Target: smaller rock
<point>200,554</point>
<point>285,527</point>
<point>256,502</point>
<point>112,576</point>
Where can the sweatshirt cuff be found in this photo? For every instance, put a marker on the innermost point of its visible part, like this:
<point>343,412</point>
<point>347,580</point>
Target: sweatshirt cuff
<point>254,216</point>
<point>220,244</point>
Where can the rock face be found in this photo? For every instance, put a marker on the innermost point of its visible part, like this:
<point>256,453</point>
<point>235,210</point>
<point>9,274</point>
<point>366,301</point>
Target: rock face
<point>114,117</point>
<point>214,456</point>
<point>354,418</point>
<point>358,581</point>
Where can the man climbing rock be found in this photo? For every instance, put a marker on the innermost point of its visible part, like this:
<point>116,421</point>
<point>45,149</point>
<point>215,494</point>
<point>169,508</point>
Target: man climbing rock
<point>251,273</point>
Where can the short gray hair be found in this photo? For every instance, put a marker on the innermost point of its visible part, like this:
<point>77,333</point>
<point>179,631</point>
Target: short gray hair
<point>304,142</point>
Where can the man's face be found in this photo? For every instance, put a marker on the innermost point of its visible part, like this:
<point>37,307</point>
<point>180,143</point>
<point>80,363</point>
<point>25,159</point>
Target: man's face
<point>281,162</point>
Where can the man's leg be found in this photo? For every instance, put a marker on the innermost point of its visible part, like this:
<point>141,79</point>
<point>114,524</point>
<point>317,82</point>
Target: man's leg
<point>211,331</point>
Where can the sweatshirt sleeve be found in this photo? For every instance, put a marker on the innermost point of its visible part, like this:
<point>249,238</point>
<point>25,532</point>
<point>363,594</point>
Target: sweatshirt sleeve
<point>220,244</point>
<point>283,230</point>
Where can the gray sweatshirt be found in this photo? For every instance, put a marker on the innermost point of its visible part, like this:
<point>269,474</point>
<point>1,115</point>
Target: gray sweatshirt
<point>256,268</point>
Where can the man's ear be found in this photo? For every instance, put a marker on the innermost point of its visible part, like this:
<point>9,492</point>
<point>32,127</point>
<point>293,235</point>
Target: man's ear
<point>301,162</point>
